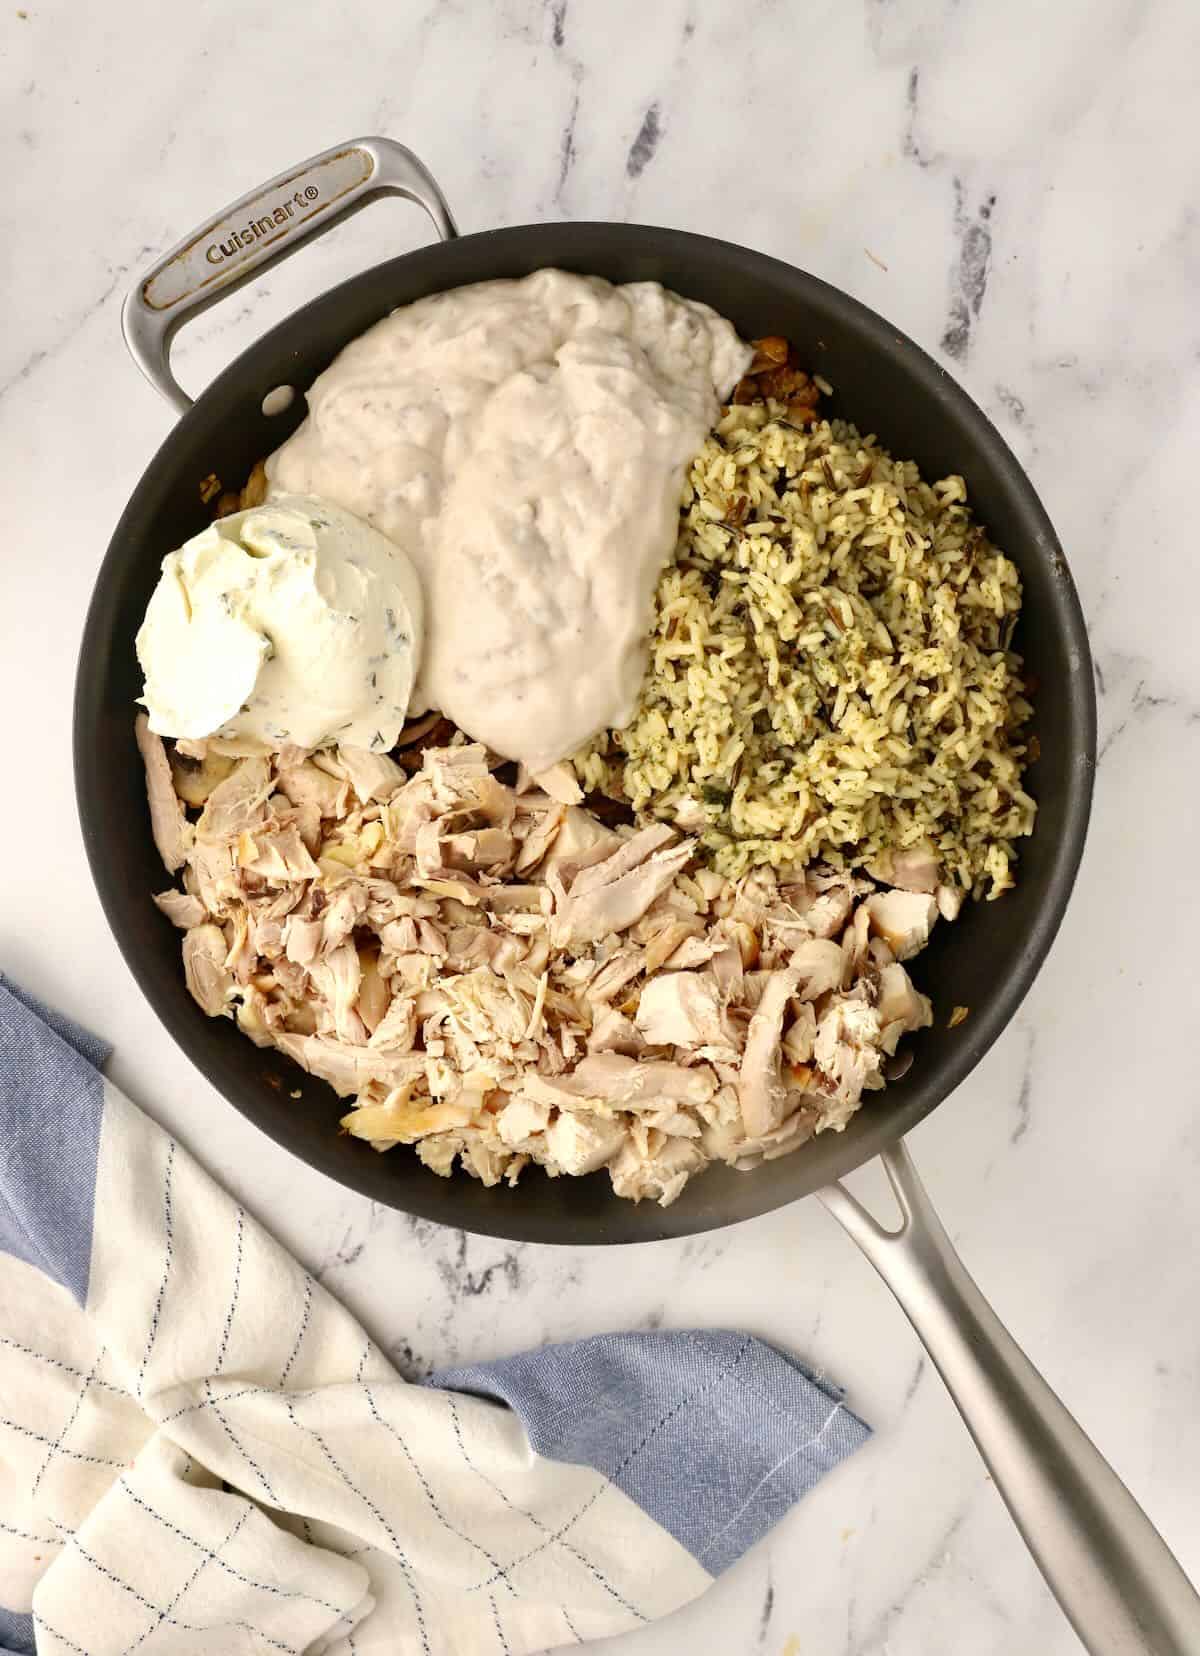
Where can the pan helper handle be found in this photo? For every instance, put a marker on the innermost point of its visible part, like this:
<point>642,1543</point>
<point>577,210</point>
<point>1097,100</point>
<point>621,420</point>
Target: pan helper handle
<point>1111,1571</point>
<point>256,232</point>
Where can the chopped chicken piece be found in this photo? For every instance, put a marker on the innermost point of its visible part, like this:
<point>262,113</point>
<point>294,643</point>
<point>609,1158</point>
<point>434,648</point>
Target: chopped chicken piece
<point>612,1031</point>
<point>629,854</point>
<point>302,939</point>
<point>901,1007</point>
<point>949,902</point>
<point>495,803</point>
<point>401,1119</point>
<point>631,1082</point>
<point>819,965</point>
<point>481,1157</point>
<point>665,942</point>
<point>694,951</point>
<point>899,1000</point>
<point>756,894</point>
<point>855,941</point>
<point>671,1121</point>
<point>745,938</point>
<point>255,1017</point>
<point>617,972</point>
<point>488,1008</point>
<point>904,919</point>
<point>559,782</point>
<point>439,1150</point>
<point>537,1012</point>
<point>428,848</point>
<point>659,1177</point>
<point>454,771</point>
<point>470,946</point>
<point>343,914</point>
<point>607,1078</point>
<point>277,854</point>
<point>781,1141</point>
<point>308,826</point>
<point>525,899</point>
<point>374,996</point>
<point>429,938</point>
<point>712,885</point>
<point>683,1009</point>
<point>728,967</point>
<point>173,833</point>
<point>236,803</point>
<point>458,888</point>
<point>579,841</point>
<point>181,909</point>
<point>397,1029</point>
<point>762,1093</point>
<point>209,979</point>
<point>349,1069</point>
<point>240,958</point>
<point>522,1120</point>
<point>337,976</point>
<point>373,776</point>
<point>579,1142</point>
<point>539,831</point>
<point>613,905</point>
<point>213,876</point>
<point>915,868</point>
<point>846,1051</point>
<point>490,848</point>
<point>802,1033</point>
<point>308,784</point>
<point>828,913</point>
<point>400,936</point>
<point>688,813</point>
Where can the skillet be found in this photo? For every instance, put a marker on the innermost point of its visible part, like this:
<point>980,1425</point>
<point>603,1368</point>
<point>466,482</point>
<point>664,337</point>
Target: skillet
<point>1120,1586</point>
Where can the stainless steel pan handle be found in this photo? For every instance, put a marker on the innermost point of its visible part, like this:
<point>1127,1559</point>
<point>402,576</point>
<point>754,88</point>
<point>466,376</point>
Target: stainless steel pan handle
<point>1107,1565</point>
<point>257,231</point>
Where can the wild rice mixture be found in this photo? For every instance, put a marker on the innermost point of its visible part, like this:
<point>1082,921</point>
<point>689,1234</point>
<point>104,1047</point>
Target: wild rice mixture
<point>831,674</point>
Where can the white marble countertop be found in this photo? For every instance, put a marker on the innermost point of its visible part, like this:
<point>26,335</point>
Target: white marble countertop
<point>1013,186</point>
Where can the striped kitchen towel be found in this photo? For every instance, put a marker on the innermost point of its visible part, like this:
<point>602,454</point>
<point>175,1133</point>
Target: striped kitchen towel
<point>201,1451</point>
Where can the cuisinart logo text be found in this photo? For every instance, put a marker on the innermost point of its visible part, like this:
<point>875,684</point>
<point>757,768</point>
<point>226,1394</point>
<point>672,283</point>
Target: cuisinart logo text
<point>258,229</point>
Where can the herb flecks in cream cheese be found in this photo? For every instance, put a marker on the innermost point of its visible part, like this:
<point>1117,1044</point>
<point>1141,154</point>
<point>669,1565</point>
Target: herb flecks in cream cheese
<point>525,443</point>
<point>291,622</point>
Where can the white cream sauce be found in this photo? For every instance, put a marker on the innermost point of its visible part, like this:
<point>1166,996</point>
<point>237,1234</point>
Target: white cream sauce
<point>525,443</point>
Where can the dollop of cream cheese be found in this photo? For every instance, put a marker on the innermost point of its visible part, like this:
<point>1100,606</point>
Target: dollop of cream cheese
<point>292,622</point>
<point>526,443</point>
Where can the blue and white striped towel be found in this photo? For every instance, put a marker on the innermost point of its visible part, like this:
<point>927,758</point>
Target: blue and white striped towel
<point>201,1451</point>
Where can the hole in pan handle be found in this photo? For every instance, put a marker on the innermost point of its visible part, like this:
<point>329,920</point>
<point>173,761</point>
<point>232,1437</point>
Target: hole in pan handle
<point>256,232</point>
<point>1113,1574</point>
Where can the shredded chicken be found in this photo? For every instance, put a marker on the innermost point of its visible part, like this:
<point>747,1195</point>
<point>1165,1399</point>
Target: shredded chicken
<point>181,910</point>
<point>496,978</point>
<point>172,832</point>
<point>904,919</point>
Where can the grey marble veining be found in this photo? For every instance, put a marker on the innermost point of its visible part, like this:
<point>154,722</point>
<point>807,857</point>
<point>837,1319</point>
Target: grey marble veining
<point>1013,186</point>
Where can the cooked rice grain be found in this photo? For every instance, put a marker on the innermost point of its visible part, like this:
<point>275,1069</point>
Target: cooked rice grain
<point>830,671</point>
